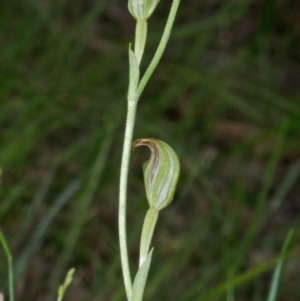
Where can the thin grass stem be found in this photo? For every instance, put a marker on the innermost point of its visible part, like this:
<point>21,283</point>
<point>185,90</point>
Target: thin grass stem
<point>10,266</point>
<point>275,281</point>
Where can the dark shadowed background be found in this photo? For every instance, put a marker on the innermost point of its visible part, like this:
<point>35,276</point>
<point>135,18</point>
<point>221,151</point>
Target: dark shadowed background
<point>226,97</point>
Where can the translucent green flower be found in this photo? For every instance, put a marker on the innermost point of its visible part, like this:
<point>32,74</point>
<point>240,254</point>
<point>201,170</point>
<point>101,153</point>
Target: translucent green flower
<point>142,9</point>
<point>161,172</point>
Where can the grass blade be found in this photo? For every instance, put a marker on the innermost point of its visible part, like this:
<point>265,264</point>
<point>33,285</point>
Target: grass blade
<point>277,272</point>
<point>38,235</point>
<point>10,266</point>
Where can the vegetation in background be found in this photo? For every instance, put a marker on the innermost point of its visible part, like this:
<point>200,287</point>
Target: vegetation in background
<point>226,95</point>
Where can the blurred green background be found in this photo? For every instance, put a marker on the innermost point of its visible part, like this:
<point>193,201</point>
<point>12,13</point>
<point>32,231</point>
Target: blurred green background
<point>226,97</point>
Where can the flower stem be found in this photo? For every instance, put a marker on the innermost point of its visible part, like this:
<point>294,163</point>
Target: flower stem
<point>131,112</point>
<point>140,39</point>
<point>134,92</point>
<point>147,233</point>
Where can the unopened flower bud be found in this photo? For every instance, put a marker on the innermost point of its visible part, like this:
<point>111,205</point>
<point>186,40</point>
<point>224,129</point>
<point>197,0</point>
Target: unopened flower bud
<point>142,9</point>
<point>161,172</point>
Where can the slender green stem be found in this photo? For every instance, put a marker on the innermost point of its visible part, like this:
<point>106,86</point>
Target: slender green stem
<point>10,267</point>
<point>123,196</point>
<point>161,47</point>
<point>140,39</point>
